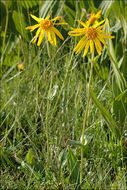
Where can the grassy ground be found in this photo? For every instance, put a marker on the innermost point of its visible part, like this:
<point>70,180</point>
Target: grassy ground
<point>47,100</point>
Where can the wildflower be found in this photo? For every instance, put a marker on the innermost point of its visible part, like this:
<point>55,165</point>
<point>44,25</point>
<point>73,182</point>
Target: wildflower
<point>20,66</point>
<point>46,28</point>
<point>93,18</point>
<point>93,35</point>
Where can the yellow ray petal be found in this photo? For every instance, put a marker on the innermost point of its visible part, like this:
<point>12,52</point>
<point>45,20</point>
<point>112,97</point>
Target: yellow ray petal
<point>82,45</point>
<point>103,25</point>
<point>57,33</point>
<point>61,23</point>
<point>76,34</point>
<point>102,40</point>
<point>106,36</point>
<point>41,37</point>
<point>98,14</point>
<point>98,23</point>
<point>36,18</point>
<point>86,48</point>
<point>82,23</point>
<point>99,44</point>
<point>34,27</point>
<point>77,29</point>
<point>54,37</point>
<point>97,48</point>
<point>99,31</point>
<point>48,34</point>
<point>28,27</point>
<point>79,43</point>
<point>57,18</point>
<point>91,46</point>
<point>36,36</point>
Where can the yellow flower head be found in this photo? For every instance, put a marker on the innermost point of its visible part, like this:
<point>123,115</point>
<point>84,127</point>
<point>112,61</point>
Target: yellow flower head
<point>46,27</point>
<point>93,35</point>
<point>93,18</point>
<point>20,66</point>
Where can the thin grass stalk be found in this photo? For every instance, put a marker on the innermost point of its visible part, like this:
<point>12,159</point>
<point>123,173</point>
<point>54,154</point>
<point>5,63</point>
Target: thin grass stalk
<point>85,121</point>
<point>64,82</point>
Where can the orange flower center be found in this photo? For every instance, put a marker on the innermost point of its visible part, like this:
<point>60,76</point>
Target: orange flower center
<point>91,33</point>
<point>46,24</point>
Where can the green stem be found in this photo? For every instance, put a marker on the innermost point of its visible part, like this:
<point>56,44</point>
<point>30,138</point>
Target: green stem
<point>48,49</point>
<point>19,46</point>
<point>48,108</point>
<point>3,46</point>
<point>47,126</point>
<point>85,121</point>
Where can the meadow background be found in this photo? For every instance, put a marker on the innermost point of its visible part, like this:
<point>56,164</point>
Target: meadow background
<point>51,94</point>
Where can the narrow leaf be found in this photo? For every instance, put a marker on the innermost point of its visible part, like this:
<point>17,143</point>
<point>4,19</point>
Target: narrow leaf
<point>74,143</point>
<point>107,116</point>
<point>121,95</point>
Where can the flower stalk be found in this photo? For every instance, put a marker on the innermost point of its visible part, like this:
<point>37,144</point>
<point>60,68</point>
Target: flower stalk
<point>47,124</point>
<point>93,36</point>
<point>85,121</point>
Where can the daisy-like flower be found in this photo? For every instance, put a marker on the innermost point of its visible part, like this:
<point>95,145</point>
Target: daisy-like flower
<point>46,28</point>
<point>93,35</point>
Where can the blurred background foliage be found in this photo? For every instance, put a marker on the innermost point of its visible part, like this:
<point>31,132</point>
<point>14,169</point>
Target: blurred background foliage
<point>21,118</point>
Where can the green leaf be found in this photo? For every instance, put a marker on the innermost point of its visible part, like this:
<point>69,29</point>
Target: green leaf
<point>119,104</point>
<point>74,143</point>
<point>30,157</point>
<point>47,7</point>
<point>73,166</point>
<point>119,78</point>
<point>53,92</point>
<point>89,133</point>
<point>121,95</point>
<point>29,4</point>
<point>10,60</point>
<point>106,7</point>
<point>20,24</point>
<point>107,116</point>
<point>124,65</point>
<point>69,9</point>
<point>62,160</point>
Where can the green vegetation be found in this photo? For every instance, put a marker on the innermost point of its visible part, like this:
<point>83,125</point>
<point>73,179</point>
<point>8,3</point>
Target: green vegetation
<point>47,98</point>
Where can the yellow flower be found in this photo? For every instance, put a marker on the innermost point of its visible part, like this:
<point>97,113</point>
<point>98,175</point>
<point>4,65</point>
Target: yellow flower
<point>20,66</point>
<point>93,18</point>
<point>93,35</point>
<point>46,27</point>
